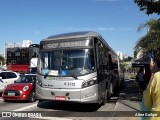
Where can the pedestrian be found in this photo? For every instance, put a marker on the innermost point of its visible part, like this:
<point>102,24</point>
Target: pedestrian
<point>140,80</point>
<point>151,95</point>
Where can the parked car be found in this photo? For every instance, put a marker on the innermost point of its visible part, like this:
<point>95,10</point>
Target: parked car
<point>22,89</point>
<point>7,77</point>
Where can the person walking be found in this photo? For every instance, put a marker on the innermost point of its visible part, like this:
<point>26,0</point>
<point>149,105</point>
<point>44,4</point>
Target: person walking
<point>140,80</point>
<point>151,95</point>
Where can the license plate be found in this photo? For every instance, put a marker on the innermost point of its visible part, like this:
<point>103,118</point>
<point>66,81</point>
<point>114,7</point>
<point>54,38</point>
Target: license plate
<point>63,98</point>
<point>11,94</point>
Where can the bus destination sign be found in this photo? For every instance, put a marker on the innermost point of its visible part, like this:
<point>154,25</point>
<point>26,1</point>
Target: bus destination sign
<point>66,44</point>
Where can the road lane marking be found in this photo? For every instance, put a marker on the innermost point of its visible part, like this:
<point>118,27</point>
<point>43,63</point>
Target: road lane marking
<point>44,118</point>
<point>27,107</point>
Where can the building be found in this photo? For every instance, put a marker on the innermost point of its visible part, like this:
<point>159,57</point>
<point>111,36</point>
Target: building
<point>18,56</point>
<point>26,43</point>
<point>17,45</point>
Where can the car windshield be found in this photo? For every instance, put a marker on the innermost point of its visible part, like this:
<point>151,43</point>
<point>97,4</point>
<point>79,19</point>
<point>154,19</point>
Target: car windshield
<point>67,62</point>
<point>26,79</point>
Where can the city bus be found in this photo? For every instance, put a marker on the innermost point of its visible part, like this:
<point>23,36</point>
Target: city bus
<point>77,67</point>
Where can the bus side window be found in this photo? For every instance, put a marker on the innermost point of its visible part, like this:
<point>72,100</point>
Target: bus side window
<point>101,59</point>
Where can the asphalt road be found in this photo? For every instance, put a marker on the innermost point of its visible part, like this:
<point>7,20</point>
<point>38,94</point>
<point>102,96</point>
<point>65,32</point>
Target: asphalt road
<point>59,110</point>
<point>128,100</point>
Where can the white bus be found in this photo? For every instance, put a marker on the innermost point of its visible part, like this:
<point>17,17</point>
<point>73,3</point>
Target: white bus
<point>77,67</point>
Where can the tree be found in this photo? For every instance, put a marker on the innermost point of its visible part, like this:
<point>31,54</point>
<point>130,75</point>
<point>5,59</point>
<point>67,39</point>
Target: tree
<point>1,59</point>
<point>151,41</point>
<point>135,54</point>
<point>127,59</point>
<point>150,6</point>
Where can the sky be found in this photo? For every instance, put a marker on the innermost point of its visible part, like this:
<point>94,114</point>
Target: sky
<point>116,20</point>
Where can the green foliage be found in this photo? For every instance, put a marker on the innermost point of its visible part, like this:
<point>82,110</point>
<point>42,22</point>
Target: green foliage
<point>149,6</point>
<point>133,76</point>
<point>123,63</point>
<point>127,59</point>
<point>151,41</point>
<point>1,59</point>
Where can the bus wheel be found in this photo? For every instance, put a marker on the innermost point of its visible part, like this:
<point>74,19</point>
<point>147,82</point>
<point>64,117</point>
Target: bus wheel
<point>105,97</point>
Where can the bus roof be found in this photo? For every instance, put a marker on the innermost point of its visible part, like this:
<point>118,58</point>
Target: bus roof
<point>73,35</point>
<point>81,34</point>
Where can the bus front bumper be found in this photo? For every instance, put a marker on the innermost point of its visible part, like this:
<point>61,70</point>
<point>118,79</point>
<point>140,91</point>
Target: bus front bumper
<point>85,95</point>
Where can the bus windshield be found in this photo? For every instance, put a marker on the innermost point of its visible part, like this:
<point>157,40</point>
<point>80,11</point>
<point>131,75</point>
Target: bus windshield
<point>67,62</point>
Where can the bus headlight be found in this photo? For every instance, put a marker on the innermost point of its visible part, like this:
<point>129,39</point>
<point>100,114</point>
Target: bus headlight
<point>25,88</point>
<point>91,82</point>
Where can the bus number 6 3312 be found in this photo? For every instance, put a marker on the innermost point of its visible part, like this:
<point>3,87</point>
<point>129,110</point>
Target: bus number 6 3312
<point>69,83</point>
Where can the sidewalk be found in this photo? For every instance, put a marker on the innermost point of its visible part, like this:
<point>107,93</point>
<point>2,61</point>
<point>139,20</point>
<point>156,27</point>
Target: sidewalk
<point>129,99</point>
